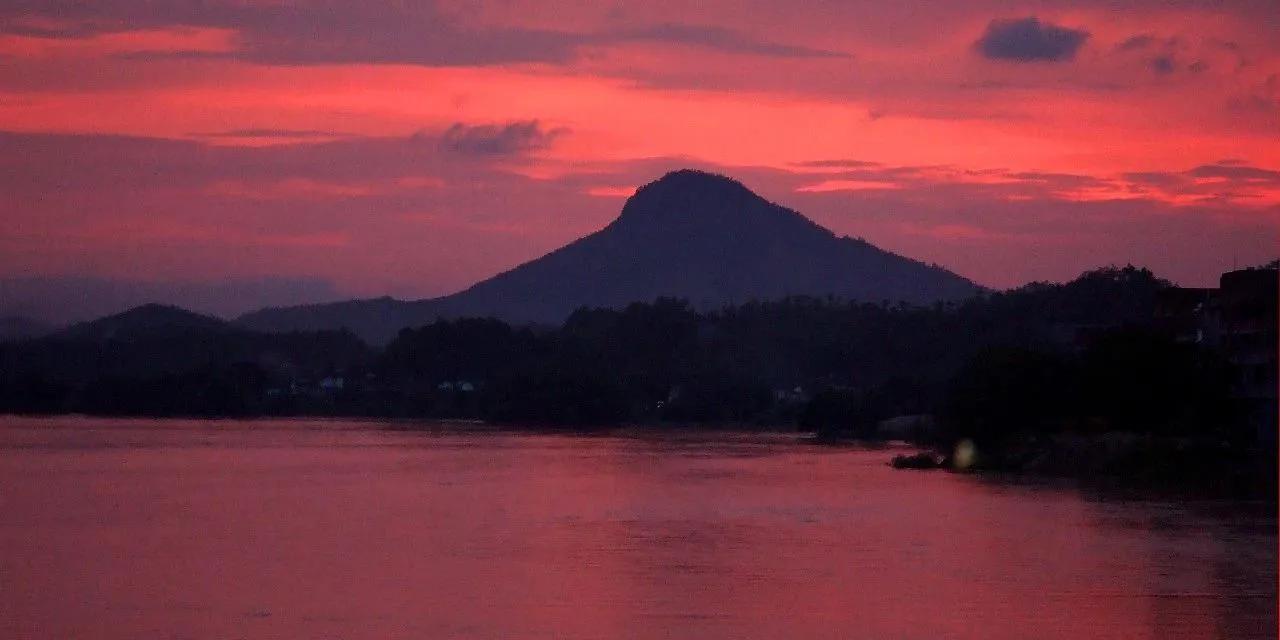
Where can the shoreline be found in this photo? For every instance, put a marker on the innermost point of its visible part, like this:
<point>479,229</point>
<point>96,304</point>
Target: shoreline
<point>1200,466</point>
<point>1187,467</point>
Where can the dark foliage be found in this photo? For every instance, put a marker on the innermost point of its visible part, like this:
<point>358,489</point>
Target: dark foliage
<point>555,397</point>
<point>1007,390</point>
<point>844,412</point>
<point>1142,380</point>
<point>840,411</point>
<point>162,361</point>
<point>1126,379</point>
<point>1040,358</point>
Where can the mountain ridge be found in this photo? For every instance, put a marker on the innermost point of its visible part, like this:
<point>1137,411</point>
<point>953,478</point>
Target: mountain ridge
<point>690,234</point>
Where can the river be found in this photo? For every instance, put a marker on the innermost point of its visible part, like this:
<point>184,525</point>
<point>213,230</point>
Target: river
<point>298,529</point>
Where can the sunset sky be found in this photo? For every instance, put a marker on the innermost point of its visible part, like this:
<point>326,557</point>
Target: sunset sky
<point>411,148</point>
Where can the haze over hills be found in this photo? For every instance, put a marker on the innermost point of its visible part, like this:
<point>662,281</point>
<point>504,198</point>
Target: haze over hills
<point>690,234</point>
<point>20,328</point>
<point>63,300</point>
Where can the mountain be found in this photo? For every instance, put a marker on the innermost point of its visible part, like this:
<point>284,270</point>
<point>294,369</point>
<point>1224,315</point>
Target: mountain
<point>144,322</point>
<point>61,301</point>
<point>690,234</point>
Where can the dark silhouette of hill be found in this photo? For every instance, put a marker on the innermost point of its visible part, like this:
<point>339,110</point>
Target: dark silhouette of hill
<point>693,235</point>
<point>144,322</point>
<point>163,360</point>
<point>20,328</point>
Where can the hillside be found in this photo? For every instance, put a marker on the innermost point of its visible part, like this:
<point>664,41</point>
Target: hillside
<point>691,235</point>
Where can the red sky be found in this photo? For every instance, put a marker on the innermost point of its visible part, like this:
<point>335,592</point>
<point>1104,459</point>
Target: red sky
<point>413,148</point>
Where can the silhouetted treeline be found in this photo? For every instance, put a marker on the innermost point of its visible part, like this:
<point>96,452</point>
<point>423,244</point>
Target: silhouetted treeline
<point>160,361</point>
<point>1079,355</point>
<point>1130,378</point>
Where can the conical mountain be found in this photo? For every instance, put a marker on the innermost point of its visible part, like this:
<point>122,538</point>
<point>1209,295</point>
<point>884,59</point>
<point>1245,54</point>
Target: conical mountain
<point>690,234</point>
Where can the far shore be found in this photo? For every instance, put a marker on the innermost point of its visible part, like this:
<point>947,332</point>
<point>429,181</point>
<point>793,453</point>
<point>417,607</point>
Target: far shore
<point>1182,466</point>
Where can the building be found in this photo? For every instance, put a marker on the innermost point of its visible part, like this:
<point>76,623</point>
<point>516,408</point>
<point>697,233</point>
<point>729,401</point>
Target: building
<point>1239,320</point>
<point>1184,312</point>
<point>332,383</point>
<point>1244,317</point>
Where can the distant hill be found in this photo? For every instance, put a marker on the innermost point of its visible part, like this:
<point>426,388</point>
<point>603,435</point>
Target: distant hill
<point>19,328</point>
<point>161,360</point>
<point>63,300</point>
<point>144,322</point>
<point>693,235</point>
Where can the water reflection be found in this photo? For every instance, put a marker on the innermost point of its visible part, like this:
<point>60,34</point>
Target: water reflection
<point>120,529</point>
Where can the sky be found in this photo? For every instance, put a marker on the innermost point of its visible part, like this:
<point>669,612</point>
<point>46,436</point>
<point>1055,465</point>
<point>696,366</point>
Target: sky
<point>281,152</point>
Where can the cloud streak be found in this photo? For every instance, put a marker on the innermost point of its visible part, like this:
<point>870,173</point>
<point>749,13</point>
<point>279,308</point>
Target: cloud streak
<point>375,32</point>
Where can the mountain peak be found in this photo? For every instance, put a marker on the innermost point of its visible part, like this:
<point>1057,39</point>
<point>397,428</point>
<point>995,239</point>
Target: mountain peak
<point>685,193</point>
<point>689,234</point>
<point>696,179</point>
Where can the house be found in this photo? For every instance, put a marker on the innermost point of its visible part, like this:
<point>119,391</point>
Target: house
<point>1239,320</point>
<point>793,395</point>
<point>1246,325</point>
<point>459,385</point>
<point>1184,312</point>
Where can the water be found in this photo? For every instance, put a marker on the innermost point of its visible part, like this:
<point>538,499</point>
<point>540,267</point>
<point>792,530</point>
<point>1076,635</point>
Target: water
<point>323,529</point>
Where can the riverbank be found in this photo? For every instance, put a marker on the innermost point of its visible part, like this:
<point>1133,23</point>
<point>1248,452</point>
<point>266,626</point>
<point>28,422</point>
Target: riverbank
<point>1186,464</point>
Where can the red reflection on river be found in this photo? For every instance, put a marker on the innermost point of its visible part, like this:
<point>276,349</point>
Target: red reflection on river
<point>295,529</point>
